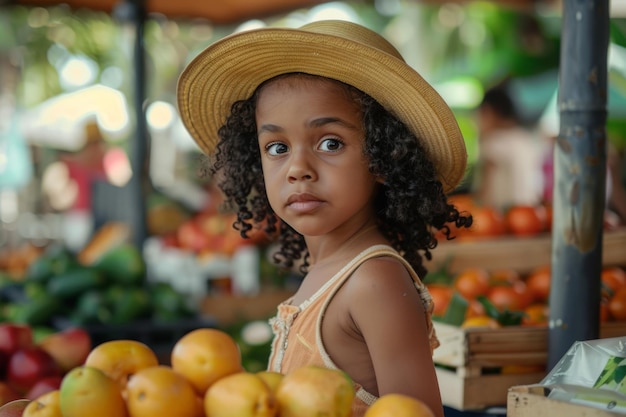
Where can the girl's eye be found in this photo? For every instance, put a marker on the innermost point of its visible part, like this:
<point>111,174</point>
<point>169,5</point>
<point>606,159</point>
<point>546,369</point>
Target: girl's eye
<point>276,148</point>
<point>331,145</point>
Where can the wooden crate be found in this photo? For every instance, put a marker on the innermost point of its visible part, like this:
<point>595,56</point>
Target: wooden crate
<point>469,360</point>
<point>531,401</point>
<point>522,254</point>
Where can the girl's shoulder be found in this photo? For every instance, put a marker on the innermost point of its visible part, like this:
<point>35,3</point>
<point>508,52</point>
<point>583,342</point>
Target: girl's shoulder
<point>379,275</point>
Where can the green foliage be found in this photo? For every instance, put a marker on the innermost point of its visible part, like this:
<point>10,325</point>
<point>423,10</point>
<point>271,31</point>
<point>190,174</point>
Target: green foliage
<point>504,317</point>
<point>455,313</point>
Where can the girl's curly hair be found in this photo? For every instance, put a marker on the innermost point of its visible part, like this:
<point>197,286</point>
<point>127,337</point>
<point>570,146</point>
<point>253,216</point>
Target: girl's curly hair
<point>411,205</point>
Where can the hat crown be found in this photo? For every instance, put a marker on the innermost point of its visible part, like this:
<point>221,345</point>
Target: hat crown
<point>353,32</point>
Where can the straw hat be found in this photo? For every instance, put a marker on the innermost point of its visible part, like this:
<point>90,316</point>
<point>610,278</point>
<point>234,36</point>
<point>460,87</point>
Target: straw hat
<point>233,67</point>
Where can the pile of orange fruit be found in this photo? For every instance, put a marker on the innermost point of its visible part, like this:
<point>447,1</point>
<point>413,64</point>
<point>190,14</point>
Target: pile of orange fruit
<point>528,295</point>
<point>123,378</point>
<point>489,221</point>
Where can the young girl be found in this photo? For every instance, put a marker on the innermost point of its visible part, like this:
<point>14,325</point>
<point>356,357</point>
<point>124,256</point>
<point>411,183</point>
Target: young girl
<point>326,137</point>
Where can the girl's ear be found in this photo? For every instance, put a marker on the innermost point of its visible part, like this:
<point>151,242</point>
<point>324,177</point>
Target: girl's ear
<point>380,180</point>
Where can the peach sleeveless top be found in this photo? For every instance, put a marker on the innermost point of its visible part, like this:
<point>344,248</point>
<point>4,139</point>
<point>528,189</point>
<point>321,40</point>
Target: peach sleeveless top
<point>298,329</point>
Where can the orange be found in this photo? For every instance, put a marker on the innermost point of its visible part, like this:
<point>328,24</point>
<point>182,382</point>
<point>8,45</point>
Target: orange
<point>617,304</point>
<point>87,391</point>
<point>503,276</point>
<point>526,220</point>
<point>441,295</point>
<point>242,394</point>
<point>159,391</point>
<point>463,202</point>
<point>481,321</point>
<point>472,282</point>
<point>613,278</point>
<point>271,379</point>
<point>205,355</point>
<point>536,314</point>
<point>486,221</point>
<point>46,405</point>
<point>538,283</point>
<point>120,359</point>
<point>509,297</point>
<point>398,405</point>
<point>313,391</point>
<point>474,308</point>
<point>605,314</point>
<point>524,294</point>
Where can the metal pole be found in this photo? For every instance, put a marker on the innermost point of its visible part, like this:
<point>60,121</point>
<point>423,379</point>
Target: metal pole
<point>580,176</point>
<point>134,12</point>
<point>140,148</point>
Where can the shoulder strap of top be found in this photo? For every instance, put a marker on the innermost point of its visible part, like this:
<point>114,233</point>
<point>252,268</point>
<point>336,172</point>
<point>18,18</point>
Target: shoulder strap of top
<point>385,250</point>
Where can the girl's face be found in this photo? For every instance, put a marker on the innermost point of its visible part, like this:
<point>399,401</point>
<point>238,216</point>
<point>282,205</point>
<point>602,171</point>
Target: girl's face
<point>311,136</point>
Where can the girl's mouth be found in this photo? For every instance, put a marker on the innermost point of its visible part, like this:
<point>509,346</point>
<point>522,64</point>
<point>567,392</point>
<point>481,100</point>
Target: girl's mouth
<point>303,203</point>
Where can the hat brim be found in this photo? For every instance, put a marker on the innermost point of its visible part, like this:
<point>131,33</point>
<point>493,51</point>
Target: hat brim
<point>232,68</point>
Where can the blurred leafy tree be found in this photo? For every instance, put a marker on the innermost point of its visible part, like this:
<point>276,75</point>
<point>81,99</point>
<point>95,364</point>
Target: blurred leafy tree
<point>490,42</point>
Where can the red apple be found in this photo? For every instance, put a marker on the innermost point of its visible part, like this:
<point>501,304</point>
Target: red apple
<point>69,347</point>
<point>29,365</point>
<point>14,337</point>
<point>8,393</point>
<point>4,362</point>
<point>43,386</point>
<point>14,408</point>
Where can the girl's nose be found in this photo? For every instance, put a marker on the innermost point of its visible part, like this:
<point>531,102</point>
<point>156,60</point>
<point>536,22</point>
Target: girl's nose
<point>300,167</point>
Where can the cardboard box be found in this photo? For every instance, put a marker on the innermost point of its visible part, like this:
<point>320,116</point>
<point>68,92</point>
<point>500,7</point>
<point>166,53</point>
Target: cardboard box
<point>532,401</point>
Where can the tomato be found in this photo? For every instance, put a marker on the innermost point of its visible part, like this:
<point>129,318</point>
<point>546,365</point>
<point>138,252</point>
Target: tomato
<point>472,282</point>
<point>474,309</point>
<point>441,295</point>
<point>605,313</point>
<point>613,278</point>
<point>503,276</point>
<point>462,202</point>
<point>524,294</point>
<point>486,221</point>
<point>509,297</point>
<point>617,304</point>
<point>526,220</point>
<point>191,236</point>
<point>538,283</point>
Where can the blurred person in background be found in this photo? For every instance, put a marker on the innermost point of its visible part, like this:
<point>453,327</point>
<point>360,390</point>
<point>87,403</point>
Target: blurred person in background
<point>68,185</point>
<point>509,167</point>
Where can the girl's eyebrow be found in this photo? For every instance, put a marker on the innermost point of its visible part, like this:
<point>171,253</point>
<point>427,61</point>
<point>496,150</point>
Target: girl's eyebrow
<point>269,128</point>
<point>319,122</point>
<point>330,120</point>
